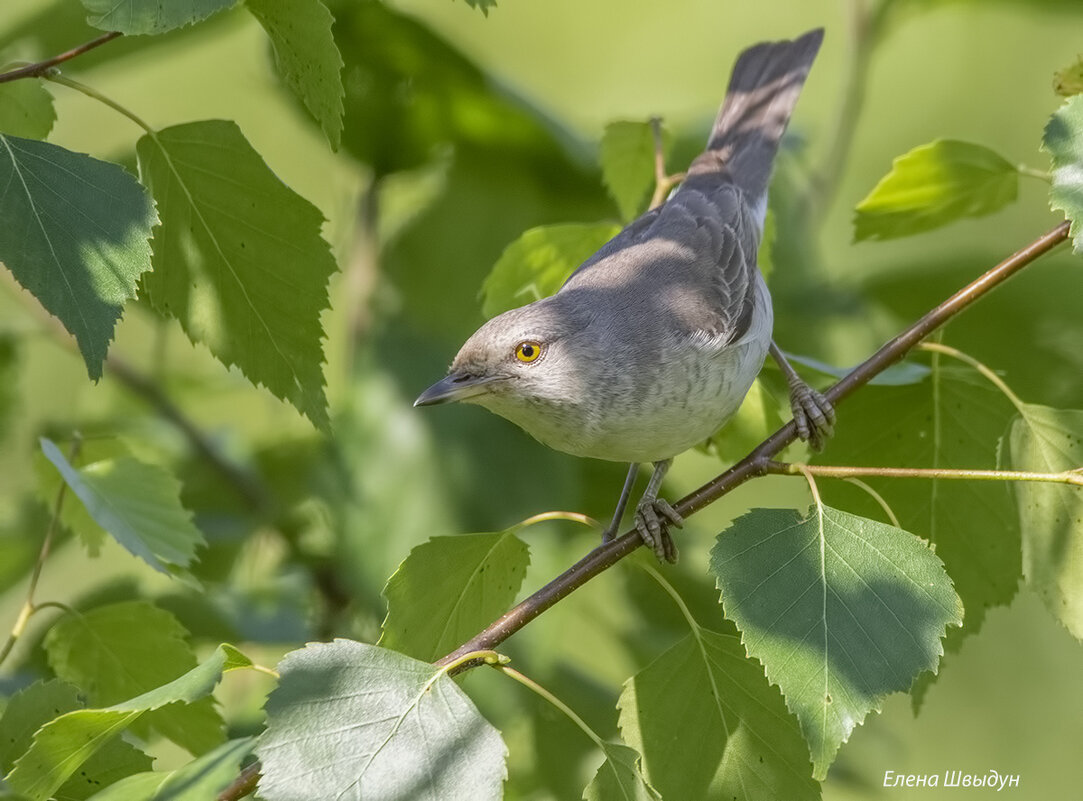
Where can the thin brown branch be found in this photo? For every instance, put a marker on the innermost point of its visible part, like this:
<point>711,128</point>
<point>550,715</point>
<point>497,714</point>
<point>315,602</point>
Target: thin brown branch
<point>841,471</point>
<point>758,461</point>
<point>243,785</point>
<point>39,68</point>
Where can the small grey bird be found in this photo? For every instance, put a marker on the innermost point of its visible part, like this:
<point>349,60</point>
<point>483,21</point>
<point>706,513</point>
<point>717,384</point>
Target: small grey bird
<point>652,343</point>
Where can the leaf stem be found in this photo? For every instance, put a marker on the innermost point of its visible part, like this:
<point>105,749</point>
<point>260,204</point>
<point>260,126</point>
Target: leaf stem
<point>876,496</point>
<point>663,182</point>
<point>39,68</point>
<point>526,681</point>
<point>56,77</point>
<point>574,517</point>
<point>1074,477</point>
<point>986,372</point>
<point>1031,172</point>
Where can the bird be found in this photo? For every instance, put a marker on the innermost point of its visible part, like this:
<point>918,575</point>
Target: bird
<point>651,345</point>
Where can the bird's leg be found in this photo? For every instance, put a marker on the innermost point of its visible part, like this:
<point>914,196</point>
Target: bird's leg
<point>654,516</point>
<point>611,530</point>
<point>813,414</point>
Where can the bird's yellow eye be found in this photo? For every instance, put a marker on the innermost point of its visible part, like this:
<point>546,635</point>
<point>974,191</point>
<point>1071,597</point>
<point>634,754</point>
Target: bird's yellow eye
<point>528,351</point>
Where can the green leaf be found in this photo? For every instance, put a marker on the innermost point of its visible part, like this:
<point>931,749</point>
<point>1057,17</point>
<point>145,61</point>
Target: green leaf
<point>138,504</point>
<point>536,264</point>
<point>841,611</point>
<point>1068,81</point>
<point>307,57</point>
<point>710,726</point>
<point>482,5</point>
<point>66,744</point>
<point>350,719</point>
<point>9,381</point>
<point>627,156</point>
<point>933,185</point>
<point>450,588</point>
<point>121,650</point>
<point>75,236</point>
<point>620,777</point>
<point>1063,140</point>
<point>133,17</point>
<point>26,109</point>
<point>199,780</point>
<point>1049,440</point>
<point>755,420</point>
<point>238,259</point>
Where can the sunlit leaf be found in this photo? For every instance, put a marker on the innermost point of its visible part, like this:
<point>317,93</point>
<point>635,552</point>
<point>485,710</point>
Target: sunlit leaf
<point>627,156</point>
<point>933,185</point>
<point>67,743</point>
<point>26,109</point>
<point>710,726</point>
<point>1049,440</point>
<point>238,259</point>
<point>122,650</point>
<point>138,504</point>
<point>841,610</point>
<point>150,16</point>
<point>307,57</point>
<point>75,236</point>
<point>620,777</point>
<point>1063,140</point>
<point>450,588</point>
<point>536,264</point>
<point>360,721</point>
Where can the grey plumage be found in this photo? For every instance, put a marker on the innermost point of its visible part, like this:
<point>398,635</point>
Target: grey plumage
<point>651,345</point>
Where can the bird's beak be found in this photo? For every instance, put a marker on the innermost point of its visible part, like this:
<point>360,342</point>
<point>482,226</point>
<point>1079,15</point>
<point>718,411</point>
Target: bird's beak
<point>455,387</point>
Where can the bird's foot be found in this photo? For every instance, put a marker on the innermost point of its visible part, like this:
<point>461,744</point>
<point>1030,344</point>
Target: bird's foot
<point>653,519</point>
<point>813,414</point>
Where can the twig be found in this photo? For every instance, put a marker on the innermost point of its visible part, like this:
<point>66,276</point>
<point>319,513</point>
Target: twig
<point>756,463</point>
<point>39,68</point>
<point>837,471</point>
<point>663,182</point>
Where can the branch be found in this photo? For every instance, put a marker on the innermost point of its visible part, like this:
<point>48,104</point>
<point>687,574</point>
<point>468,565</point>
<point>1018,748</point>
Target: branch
<point>758,461</point>
<point>39,68</point>
<point>834,471</point>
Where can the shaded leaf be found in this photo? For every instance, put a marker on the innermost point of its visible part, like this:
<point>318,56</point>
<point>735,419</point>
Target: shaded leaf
<point>627,157</point>
<point>1068,81</point>
<point>841,610</point>
<point>238,259</point>
<point>119,651</point>
<point>710,726</point>
<point>482,5</point>
<point>26,109</point>
<point>150,16</point>
<point>1063,140</point>
<point>1049,440</point>
<point>138,504</point>
<point>199,780</point>
<point>450,588</point>
<point>536,264</point>
<point>66,744</point>
<point>349,719</point>
<point>307,57</point>
<point>620,777</point>
<point>933,185</point>
<point>75,236</point>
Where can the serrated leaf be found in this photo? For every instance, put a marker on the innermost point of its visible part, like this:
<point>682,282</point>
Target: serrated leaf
<point>1068,81</point>
<point>840,610</point>
<point>619,777</point>
<point>307,57</point>
<point>450,588</point>
<point>133,17</point>
<point>357,720</point>
<point>1063,140</point>
<point>1049,440</point>
<point>75,236</point>
<point>627,157</point>
<point>67,743</point>
<point>536,264</point>
<point>26,109</point>
<point>933,185</point>
<point>122,650</point>
<point>199,780</point>
<point>138,504</point>
<point>238,259</point>
<point>482,5</point>
<point>710,726</point>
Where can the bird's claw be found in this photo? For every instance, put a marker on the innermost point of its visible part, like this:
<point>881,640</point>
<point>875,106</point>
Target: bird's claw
<point>653,518</point>
<point>813,414</point>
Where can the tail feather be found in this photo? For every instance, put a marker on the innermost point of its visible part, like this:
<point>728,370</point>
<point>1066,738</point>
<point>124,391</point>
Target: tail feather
<point>763,91</point>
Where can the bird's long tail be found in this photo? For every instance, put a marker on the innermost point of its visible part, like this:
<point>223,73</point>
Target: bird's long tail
<point>763,91</point>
